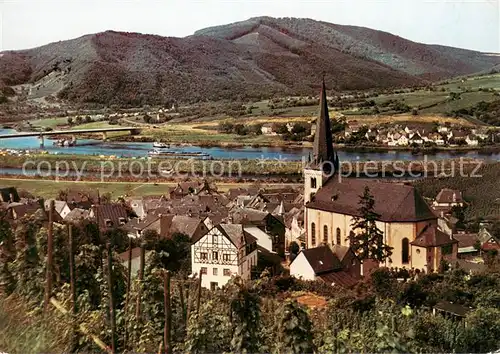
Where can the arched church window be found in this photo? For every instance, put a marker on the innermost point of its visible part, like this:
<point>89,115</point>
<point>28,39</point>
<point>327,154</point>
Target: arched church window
<point>325,234</point>
<point>313,234</point>
<point>339,241</point>
<point>405,251</point>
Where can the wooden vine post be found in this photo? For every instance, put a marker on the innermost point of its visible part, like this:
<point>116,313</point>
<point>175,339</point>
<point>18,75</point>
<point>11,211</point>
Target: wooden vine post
<point>198,298</point>
<point>72,281</point>
<point>50,256</point>
<point>168,312</point>
<point>111,302</point>
<point>142,260</point>
<point>129,284</point>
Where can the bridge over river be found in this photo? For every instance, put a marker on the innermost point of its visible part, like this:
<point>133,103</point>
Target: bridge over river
<point>41,135</point>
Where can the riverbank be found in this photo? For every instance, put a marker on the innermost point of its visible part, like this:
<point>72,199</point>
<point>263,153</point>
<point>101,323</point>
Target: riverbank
<point>75,167</point>
<point>206,135</point>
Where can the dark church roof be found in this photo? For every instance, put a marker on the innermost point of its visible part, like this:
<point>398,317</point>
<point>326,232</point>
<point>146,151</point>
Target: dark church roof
<point>393,201</point>
<point>323,142</point>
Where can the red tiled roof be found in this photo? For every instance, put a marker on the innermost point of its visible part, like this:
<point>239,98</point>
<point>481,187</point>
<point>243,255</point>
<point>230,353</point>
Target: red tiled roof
<point>432,237</point>
<point>112,212</point>
<point>466,240</point>
<point>449,196</point>
<point>341,278</point>
<point>393,201</point>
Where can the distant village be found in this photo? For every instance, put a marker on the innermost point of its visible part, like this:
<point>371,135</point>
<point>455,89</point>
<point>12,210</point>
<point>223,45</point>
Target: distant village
<point>399,135</point>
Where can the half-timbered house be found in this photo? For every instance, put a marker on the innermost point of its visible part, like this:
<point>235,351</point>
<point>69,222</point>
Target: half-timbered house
<point>226,250</point>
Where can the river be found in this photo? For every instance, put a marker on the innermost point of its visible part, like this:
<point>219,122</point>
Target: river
<point>131,149</point>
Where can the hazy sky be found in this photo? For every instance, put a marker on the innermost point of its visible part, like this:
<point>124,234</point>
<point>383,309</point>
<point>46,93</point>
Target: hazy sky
<point>472,24</point>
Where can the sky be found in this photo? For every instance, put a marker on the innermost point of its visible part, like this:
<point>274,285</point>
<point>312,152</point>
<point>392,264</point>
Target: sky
<point>471,24</point>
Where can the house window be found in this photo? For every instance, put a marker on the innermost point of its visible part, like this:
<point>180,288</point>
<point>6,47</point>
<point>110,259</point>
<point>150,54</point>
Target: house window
<point>339,240</point>
<point>215,271</point>
<point>214,285</point>
<point>325,234</point>
<point>313,234</point>
<point>214,239</point>
<point>203,256</point>
<point>405,251</point>
<point>215,255</point>
<point>226,272</point>
<point>226,257</point>
<point>203,270</point>
<point>108,223</point>
<point>313,182</point>
<point>122,221</point>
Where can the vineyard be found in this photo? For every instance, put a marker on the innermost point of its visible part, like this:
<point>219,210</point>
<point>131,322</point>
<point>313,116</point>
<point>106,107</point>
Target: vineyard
<point>163,310</point>
<point>482,193</point>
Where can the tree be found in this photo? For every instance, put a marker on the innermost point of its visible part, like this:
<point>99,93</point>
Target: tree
<point>79,120</point>
<point>146,118</point>
<point>280,128</point>
<point>294,329</point>
<point>226,127</point>
<point>70,121</point>
<point>459,212</point>
<point>367,239</point>
<point>240,129</point>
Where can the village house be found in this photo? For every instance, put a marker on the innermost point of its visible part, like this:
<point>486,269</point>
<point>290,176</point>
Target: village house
<point>167,225</point>
<point>416,138</point>
<point>60,207</point>
<point>269,224</point>
<point>226,250</point>
<point>408,224</point>
<point>436,138</point>
<point>17,210</point>
<point>267,129</point>
<point>448,198</point>
<point>471,140</point>
<point>109,216</point>
<point>76,216</point>
<point>337,265</point>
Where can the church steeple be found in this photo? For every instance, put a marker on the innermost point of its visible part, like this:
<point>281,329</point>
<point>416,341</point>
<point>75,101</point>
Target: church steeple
<point>325,161</point>
<point>323,151</point>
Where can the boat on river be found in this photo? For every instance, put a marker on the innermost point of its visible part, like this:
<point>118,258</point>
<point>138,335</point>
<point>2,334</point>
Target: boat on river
<point>160,145</point>
<point>64,142</point>
<point>179,155</point>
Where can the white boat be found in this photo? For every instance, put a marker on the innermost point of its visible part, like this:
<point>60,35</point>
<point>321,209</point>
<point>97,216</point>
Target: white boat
<point>158,144</point>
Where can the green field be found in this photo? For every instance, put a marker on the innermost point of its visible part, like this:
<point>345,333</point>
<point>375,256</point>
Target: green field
<point>474,83</point>
<point>50,122</point>
<point>467,99</point>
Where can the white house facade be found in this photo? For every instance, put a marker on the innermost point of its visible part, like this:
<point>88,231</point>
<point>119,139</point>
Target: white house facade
<point>226,250</point>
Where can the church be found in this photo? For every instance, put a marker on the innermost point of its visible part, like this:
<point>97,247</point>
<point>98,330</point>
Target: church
<point>408,224</point>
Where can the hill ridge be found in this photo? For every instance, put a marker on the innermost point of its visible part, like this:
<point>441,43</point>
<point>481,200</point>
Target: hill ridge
<point>252,59</point>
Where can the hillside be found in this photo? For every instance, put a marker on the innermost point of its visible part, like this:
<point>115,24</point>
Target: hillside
<point>257,58</point>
